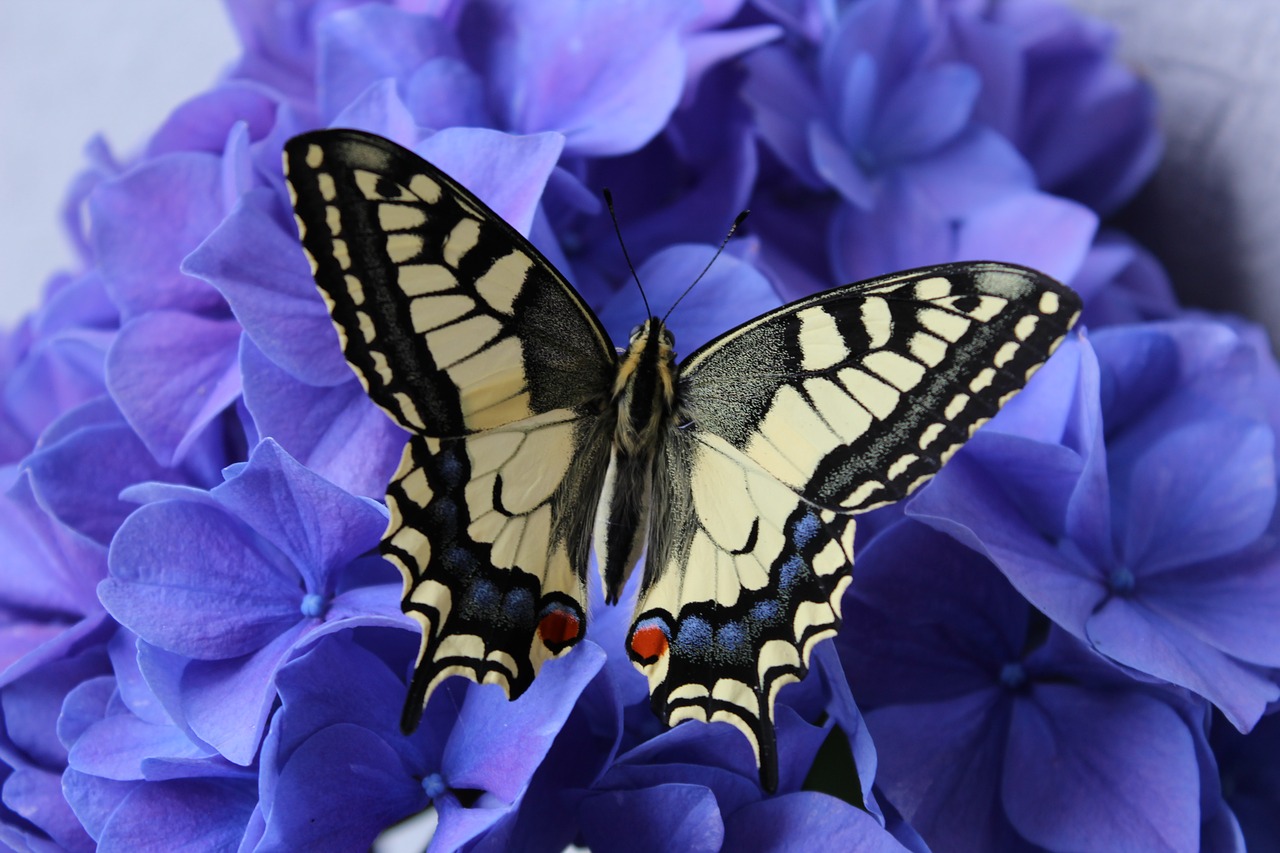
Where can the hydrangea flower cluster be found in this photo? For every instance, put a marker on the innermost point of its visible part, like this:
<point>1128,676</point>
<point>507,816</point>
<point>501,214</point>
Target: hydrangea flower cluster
<point>1061,643</point>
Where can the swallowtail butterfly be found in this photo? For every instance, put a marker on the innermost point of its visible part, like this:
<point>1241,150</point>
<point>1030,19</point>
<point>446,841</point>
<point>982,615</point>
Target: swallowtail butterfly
<point>737,471</point>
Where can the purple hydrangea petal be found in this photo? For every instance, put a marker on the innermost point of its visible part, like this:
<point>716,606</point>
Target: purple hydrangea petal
<point>80,477</point>
<point>175,557</point>
<point>940,773</point>
<point>1124,772</point>
<point>335,431</point>
<point>36,794</point>
<point>318,526</point>
<point>831,161</point>
<point>924,113</point>
<point>445,92</point>
<point>483,756</point>
<point>116,747</point>
<point>255,263</point>
<point>605,101</point>
<point>486,161</point>
<point>806,819</point>
<point>32,703</point>
<point>677,817</point>
<point>203,122</point>
<point>226,702</point>
<point>1033,229</point>
<point>146,222</point>
<point>784,104</point>
<point>181,815</point>
<point>381,110</point>
<point>172,374</point>
<point>361,46</point>
<point>94,799</point>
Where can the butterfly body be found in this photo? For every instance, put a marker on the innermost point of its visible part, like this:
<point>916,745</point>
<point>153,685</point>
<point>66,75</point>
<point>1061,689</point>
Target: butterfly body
<point>736,472</point>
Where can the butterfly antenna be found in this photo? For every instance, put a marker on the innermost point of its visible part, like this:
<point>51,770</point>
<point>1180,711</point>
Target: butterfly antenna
<point>734,227</point>
<point>608,200</point>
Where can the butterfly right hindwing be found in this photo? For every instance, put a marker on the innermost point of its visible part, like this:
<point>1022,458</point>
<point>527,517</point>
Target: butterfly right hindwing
<point>466,336</point>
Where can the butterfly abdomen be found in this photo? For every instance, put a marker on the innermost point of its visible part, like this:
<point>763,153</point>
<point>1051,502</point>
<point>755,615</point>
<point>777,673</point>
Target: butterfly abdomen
<point>643,400</point>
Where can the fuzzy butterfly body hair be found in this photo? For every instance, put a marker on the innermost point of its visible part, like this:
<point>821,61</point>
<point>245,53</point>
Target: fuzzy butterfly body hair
<point>737,472</point>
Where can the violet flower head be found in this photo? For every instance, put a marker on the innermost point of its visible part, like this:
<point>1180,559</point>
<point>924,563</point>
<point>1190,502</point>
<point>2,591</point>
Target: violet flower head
<point>198,639</point>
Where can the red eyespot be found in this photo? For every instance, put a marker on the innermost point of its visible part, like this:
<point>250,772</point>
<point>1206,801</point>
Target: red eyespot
<point>649,643</point>
<point>558,627</point>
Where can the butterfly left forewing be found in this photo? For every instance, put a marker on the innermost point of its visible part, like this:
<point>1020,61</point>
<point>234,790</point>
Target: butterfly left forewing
<point>791,424</point>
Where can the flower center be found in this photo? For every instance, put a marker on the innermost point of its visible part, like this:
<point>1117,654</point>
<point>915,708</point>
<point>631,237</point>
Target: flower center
<point>434,785</point>
<point>313,606</point>
<point>1121,581</point>
<point>1013,675</point>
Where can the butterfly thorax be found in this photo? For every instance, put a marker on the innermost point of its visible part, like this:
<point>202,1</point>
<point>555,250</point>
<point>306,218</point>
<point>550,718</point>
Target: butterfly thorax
<point>644,398</point>
<point>644,388</point>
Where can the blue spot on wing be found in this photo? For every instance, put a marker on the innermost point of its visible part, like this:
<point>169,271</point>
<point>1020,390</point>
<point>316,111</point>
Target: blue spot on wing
<point>692,635</point>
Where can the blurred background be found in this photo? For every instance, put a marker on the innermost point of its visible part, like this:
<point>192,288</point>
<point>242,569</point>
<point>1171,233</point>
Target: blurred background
<point>70,69</point>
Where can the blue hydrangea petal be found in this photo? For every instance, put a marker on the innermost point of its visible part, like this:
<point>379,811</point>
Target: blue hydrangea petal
<point>335,431</point>
<point>1124,774</point>
<point>675,817</point>
<point>53,569</point>
<point>488,162</point>
<point>1202,490</point>
<point>171,374</point>
<point>318,526</point>
<point>706,50</point>
<point>445,92</point>
<point>1138,635</point>
<point>146,222</point>
<point>1228,603</point>
<point>32,703</point>
<point>940,764</point>
<point>979,167</point>
<point>177,557</point>
<point>1121,282</point>
<point>182,815</point>
<point>806,819</point>
<point>254,261</point>
<point>968,501</point>
<point>732,292</point>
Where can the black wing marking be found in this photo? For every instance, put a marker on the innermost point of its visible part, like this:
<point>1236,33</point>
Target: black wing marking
<point>465,335</point>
